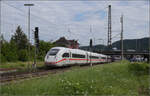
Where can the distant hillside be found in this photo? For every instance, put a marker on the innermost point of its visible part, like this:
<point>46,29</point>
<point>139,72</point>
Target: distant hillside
<point>139,44</point>
<point>96,47</point>
<point>129,44</point>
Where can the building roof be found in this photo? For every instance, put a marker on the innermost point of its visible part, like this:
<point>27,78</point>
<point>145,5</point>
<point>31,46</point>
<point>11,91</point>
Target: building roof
<point>63,40</point>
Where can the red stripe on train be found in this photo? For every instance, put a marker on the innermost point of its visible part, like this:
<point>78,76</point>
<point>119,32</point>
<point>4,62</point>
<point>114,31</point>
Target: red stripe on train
<point>80,59</point>
<point>61,60</point>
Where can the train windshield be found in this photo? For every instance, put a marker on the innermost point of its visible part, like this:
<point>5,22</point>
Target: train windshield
<point>53,52</point>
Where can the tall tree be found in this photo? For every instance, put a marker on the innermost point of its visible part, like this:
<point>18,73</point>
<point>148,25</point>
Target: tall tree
<point>20,38</point>
<point>2,40</point>
<point>44,47</point>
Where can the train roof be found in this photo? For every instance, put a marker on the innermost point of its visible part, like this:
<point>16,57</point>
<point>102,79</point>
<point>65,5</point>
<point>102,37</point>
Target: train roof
<point>61,48</point>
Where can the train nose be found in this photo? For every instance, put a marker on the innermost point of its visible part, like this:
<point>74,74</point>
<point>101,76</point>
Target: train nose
<point>50,60</point>
<point>50,63</point>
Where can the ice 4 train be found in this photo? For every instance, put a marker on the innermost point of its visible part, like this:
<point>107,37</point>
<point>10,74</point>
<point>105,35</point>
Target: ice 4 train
<point>61,56</point>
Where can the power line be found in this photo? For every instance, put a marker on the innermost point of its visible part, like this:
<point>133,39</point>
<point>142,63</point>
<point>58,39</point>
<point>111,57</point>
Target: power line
<point>42,19</point>
<point>116,35</point>
<point>21,11</point>
<point>31,14</point>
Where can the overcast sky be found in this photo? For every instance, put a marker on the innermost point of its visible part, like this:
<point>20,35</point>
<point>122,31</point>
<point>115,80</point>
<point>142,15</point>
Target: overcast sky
<point>55,18</point>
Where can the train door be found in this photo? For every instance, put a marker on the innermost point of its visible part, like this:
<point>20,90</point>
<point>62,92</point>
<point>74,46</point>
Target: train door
<point>65,57</point>
<point>68,58</point>
<point>99,59</point>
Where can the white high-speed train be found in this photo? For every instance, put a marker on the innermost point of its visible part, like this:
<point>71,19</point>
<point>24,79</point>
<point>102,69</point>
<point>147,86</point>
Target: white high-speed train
<point>60,56</point>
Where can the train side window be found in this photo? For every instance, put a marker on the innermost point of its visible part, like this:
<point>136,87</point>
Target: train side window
<point>94,57</point>
<point>78,56</point>
<point>103,57</point>
<point>53,52</point>
<point>65,55</point>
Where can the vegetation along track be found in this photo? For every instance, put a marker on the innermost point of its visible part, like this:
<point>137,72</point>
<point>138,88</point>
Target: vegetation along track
<point>7,78</point>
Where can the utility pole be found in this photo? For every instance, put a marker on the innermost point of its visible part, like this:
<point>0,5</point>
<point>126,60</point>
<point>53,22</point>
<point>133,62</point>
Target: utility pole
<point>148,61</point>
<point>109,43</point>
<point>136,45</point>
<point>121,20</point>
<point>0,28</point>
<point>29,5</point>
<point>91,44</point>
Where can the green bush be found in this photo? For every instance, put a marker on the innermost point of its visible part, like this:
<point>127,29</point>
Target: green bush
<point>139,68</point>
<point>44,47</point>
<point>9,51</point>
<point>22,54</point>
<point>2,57</point>
<point>11,56</point>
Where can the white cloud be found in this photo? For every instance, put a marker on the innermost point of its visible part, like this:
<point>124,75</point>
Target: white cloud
<point>54,19</point>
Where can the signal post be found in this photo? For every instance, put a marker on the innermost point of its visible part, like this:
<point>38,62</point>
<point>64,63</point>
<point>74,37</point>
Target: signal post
<point>36,42</point>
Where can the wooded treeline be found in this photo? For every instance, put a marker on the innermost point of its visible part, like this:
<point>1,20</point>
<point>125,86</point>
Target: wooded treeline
<point>17,48</point>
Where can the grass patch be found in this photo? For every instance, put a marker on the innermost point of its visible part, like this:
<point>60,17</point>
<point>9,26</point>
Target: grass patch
<point>139,68</point>
<point>19,64</point>
<point>106,79</point>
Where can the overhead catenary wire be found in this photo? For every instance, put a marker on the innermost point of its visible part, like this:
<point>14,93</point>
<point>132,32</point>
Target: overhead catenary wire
<point>31,14</point>
<point>22,11</point>
<point>22,14</point>
<point>44,20</point>
<point>116,35</point>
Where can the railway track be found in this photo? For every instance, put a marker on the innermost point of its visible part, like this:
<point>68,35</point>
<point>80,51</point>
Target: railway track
<point>6,79</point>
